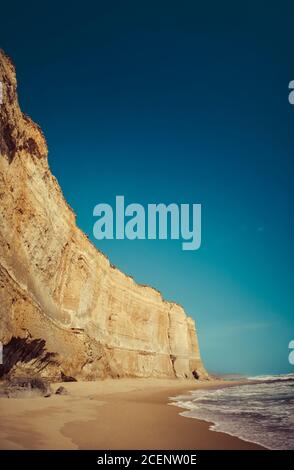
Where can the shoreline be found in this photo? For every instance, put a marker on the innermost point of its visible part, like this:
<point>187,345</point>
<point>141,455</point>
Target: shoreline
<point>112,414</point>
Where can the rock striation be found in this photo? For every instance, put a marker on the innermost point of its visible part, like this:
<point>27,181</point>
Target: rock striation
<point>64,309</point>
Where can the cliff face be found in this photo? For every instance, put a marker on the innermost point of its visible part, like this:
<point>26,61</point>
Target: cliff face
<point>63,307</point>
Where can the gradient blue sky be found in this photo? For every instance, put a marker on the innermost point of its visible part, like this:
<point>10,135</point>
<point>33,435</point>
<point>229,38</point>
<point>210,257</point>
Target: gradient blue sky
<point>177,102</point>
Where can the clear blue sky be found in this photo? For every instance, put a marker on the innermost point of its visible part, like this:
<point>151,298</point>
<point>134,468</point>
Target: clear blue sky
<point>181,102</point>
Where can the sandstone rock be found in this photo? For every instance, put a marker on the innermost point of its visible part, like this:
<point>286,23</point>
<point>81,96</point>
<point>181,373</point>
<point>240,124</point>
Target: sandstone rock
<point>25,387</point>
<point>67,378</point>
<point>57,288</point>
<point>61,391</point>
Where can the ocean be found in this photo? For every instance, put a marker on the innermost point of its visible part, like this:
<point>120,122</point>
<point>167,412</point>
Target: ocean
<point>260,412</point>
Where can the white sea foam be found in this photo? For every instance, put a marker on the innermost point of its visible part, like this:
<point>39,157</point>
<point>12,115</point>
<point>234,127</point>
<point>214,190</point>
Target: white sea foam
<point>272,378</point>
<point>260,412</point>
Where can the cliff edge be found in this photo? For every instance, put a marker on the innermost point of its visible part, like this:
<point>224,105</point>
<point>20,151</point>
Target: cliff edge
<point>64,309</point>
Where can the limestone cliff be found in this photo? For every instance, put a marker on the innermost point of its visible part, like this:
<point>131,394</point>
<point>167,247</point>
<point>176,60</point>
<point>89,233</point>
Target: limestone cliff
<point>63,307</point>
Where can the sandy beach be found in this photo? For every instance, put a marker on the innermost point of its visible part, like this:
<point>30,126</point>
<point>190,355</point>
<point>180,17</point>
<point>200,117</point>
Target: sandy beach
<point>110,414</point>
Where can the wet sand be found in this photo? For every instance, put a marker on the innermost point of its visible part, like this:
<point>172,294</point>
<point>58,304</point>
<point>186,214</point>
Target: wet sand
<point>110,414</point>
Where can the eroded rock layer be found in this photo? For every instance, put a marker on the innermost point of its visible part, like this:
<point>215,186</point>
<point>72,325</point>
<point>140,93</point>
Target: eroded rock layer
<point>56,287</point>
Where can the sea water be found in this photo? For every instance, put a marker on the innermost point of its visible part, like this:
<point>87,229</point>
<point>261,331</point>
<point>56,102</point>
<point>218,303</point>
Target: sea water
<point>261,411</point>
